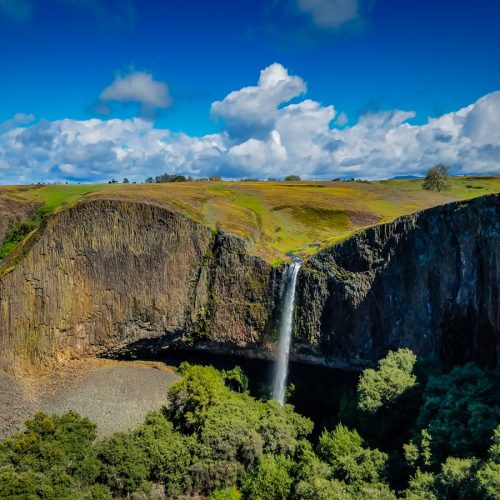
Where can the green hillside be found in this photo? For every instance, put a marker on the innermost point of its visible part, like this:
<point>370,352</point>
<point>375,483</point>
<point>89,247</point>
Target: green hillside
<point>278,217</point>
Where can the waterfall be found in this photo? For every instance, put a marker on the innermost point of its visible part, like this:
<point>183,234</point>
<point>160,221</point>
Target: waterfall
<point>286,323</point>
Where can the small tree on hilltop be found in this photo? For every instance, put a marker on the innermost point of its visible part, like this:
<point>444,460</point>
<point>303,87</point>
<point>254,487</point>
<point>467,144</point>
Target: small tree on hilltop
<point>292,178</point>
<point>437,178</point>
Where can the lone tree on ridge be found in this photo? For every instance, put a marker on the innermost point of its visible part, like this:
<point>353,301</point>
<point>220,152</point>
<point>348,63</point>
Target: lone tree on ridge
<point>437,178</point>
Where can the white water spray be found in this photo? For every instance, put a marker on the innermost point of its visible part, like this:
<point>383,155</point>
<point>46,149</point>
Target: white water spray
<point>285,340</point>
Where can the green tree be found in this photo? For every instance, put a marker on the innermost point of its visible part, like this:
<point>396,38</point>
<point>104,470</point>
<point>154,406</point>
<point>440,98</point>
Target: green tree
<point>457,478</point>
<point>418,452</point>
<point>270,480</point>
<point>460,411</point>
<point>421,487</point>
<point>339,442</point>
<point>236,379</point>
<point>351,462</point>
<point>394,376</point>
<point>52,457</point>
<point>437,178</point>
<point>200,388</point>
<point>231,432</point>
<point>313,477</point>
<point>168,453</point>
<point>292,178</point>
<point>489,481</point>
<point>488,476</point>
<point>125,465</point>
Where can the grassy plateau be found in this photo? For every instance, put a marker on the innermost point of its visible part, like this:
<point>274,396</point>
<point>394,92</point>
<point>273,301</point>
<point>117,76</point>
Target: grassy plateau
<point>278,217</point>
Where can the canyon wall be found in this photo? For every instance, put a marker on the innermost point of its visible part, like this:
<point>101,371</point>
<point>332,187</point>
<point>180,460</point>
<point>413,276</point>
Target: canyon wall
<point>429,281</point>
<point>105,274</point>
<point>110,275</point>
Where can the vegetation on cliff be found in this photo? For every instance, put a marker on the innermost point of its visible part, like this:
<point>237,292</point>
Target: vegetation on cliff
<point>17,231</point>
<point>216,442</point>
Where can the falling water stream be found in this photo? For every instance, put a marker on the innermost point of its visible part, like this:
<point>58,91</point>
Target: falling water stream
<point>285,339</point>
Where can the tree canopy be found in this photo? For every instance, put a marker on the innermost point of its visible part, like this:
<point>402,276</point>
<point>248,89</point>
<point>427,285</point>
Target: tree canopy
<point>392,378</point>
<point>437,178</point>
<point>216,441</point>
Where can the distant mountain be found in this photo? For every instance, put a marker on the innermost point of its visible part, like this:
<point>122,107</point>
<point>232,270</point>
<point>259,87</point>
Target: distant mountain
<point>399,177</point>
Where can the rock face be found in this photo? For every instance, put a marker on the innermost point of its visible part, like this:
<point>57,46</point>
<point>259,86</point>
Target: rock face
<point>110,275</point>
<point>429,281</point>
<point>106,274</point>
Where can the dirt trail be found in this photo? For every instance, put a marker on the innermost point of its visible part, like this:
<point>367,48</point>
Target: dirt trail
<point>116,395</point>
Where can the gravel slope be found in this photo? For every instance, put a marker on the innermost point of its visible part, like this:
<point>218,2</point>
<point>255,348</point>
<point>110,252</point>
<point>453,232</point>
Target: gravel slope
<point>115,395</point>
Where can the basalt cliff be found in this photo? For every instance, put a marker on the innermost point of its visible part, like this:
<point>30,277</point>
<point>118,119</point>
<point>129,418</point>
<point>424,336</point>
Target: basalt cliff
<point>429,281</point>
<point>112,275</point>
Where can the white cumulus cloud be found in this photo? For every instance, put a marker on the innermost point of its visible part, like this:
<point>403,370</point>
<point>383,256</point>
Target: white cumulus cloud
<point>252,111</point>
<point>138,87</point>
<point>269,132</point>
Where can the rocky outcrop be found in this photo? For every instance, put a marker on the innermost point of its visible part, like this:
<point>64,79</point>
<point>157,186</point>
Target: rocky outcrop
<point>429,281</point>
<point>106,274</point>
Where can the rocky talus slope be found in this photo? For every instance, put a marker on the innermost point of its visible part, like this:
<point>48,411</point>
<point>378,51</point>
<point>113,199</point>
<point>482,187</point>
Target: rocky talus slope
<point>110,275</point>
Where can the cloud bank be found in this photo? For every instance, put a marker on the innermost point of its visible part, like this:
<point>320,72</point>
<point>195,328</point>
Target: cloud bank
<point>270,130</point>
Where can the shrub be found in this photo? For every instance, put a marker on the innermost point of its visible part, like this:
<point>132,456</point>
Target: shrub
<point>17,231</point>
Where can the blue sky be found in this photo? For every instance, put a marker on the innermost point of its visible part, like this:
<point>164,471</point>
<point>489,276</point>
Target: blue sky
<point>364,58</point>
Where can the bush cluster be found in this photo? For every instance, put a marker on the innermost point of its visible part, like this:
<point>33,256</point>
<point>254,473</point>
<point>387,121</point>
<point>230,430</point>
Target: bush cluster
<point>216,441</point>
